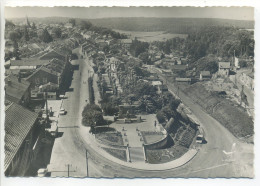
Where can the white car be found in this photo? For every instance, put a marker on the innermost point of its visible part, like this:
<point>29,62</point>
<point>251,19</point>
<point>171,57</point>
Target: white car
<point>44,115</point>
<point>199,139</point>
<point>62,96</point>
<point>62,111</point>
<point>42,172</point>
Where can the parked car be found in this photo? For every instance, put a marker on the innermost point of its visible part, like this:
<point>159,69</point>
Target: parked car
<point>62,111</point>
<point>42,172</point>
<point>200,139</point>
<point>62,96</point>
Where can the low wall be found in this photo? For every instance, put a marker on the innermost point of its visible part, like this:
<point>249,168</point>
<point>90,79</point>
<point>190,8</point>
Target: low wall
<point>158,144</point>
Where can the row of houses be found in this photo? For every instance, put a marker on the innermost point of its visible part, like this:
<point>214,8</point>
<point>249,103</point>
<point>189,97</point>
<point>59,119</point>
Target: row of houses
<point>26,82</point>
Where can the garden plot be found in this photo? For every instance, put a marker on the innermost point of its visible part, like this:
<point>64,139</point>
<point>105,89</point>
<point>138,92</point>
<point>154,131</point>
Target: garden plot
<point>118,153</point>
<point>109,136</point>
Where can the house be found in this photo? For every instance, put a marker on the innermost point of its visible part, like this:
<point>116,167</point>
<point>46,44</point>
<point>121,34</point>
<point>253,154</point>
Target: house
<point>183,80</point>
<point>179,68</point>
<point>101,43</point>
<point>224,68</point>
<point>126,43</point>
<point>167,72</point>
<point>54,54</point>
<point>27,64</point>
<point>158,85</point>
<point>42,76</point>
<point>17,90</point>
<point>21,134</point>
<point>205,75</point>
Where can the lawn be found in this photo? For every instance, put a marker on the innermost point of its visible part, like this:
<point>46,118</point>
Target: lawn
<point>165,155</point>
<point>120,154</point>
<point>109,136</point>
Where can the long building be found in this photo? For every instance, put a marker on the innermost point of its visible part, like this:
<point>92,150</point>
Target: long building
<point>21,133</point>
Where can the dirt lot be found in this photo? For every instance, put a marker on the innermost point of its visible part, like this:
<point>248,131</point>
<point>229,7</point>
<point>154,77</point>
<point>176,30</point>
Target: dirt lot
<point>228,113</point>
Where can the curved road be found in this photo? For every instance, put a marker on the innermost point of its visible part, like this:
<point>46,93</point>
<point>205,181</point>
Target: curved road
<point>70,148</point>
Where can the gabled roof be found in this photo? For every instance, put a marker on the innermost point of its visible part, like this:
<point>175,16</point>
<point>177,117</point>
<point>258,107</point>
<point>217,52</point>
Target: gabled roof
<point>56,65</point>
<point>224,64</point>
<point>14,89</point>
<point>205,73</point>
<point>52,54</point>
<point>45,70</point>
<point>28,62</point>
<point>179,67</point>
<point>18,123</point>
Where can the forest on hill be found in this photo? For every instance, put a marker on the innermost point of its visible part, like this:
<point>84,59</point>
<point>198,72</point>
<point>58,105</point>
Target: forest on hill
<point>171,25</point>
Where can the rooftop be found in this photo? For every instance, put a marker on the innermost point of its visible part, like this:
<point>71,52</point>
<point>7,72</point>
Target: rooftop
<point>154,83</point>
<point>224,64</point>
<point>15,89</point>
<point>205,73</point>
<point>179,67</point>
<point>29,62</point>
<point>42,68</point>
<point>18,123</point>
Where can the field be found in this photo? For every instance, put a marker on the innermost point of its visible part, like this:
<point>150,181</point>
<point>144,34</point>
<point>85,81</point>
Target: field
<point>150,36</point>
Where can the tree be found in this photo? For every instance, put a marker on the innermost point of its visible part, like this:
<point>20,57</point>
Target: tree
<point>72,21</point>
<point>16,52</point>
<point>92,116</point>
<point>14,36</point>
<point>85,25</point>
<point>26,34</point>
<point>57,32</point>
<point>34,26</point>
<point>106,49</point>
<point>144,57</point>
<point>9,24</point>
<point>46,37</point>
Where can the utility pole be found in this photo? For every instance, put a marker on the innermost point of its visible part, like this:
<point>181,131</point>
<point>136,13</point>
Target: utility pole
<point>68,165</point>
<point>87,162</point>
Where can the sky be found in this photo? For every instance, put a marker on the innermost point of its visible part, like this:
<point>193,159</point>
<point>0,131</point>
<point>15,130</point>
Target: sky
<point>238,13</point>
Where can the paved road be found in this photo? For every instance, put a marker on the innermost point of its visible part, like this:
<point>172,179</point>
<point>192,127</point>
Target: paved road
<point>70,148</point>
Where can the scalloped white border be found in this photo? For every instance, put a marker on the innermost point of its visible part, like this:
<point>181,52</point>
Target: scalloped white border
<point>143,182</point>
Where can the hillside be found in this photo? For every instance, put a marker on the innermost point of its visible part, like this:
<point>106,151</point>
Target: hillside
<point>172,25</point>
<point>141,24</point>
